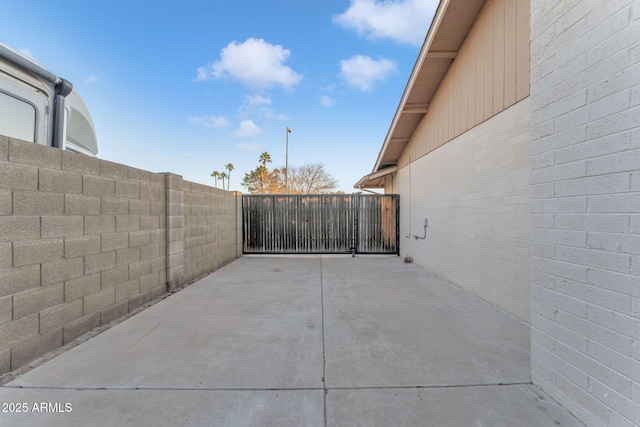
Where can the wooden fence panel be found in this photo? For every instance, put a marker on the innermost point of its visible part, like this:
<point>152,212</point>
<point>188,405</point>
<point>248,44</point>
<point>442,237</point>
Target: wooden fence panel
<point>320,223</point>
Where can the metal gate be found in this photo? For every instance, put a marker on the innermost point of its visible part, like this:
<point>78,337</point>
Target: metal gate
<point>320,223</point>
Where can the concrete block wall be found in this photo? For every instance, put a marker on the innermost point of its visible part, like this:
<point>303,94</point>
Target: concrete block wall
<point>585,199</point>
<point>474,191</point>
<point>84,241</point>
<point>175,232</point>
<point>211,229</point>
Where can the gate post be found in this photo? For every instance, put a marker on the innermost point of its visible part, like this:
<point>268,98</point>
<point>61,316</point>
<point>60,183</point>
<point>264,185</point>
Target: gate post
<point>356,223</point>
<point>239,223</point>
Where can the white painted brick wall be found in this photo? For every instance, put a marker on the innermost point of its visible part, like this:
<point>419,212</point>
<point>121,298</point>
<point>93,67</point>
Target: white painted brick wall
<point>474,190</point>
<point>585,202</point>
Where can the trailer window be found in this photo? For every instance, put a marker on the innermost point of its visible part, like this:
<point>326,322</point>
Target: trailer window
<point>17,118</point>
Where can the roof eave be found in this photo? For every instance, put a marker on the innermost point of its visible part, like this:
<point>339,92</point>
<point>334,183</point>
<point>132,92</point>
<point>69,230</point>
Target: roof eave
<point>428,41</point>
<point>375,179</point>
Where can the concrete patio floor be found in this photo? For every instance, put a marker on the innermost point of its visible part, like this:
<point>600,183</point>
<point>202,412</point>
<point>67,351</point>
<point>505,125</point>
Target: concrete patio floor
<point>322,340</point>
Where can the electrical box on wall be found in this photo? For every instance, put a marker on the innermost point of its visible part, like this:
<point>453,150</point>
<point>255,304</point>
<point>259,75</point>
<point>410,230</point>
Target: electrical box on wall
<point>425,223</point>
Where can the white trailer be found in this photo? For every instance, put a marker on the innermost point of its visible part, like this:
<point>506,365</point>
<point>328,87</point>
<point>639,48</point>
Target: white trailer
<point>40,107</point>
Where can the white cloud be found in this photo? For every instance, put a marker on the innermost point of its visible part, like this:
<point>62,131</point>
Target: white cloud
<point>268,113</point>
<point>253,104</point>
<point>327,101</point>
<point>251,146</point>
<point>255,63</point>
<point>91,79</point>
<point>247,128</point>
<point>257,105</point>
<point>253,100</point>
<point>363,72</point>
<point>405,21</point>
<point>217,122</point>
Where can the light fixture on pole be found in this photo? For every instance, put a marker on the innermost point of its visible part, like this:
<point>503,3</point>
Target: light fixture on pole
<point>286,163</point>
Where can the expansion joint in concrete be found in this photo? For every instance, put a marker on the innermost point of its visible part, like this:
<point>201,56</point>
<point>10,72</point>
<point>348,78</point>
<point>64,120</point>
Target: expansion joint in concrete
<point>324,356</point>
<point>324,388</point>
<point>422,387</point>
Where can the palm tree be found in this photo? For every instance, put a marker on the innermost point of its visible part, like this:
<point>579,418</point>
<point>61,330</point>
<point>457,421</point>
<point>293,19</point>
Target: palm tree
<point>215,176</point>
<point>229,167</point>
<point>265,158</point>
<point>262,173</point>
<point>223,176</point>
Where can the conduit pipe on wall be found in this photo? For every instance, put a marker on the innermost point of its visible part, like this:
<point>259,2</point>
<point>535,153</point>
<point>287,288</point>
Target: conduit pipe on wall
<point>425,223</point>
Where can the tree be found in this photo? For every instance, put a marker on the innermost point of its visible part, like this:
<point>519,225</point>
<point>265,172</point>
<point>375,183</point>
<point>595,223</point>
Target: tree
<point>311,178</point>
<point>308,179</point>
<point>257,180</point>
<point>229,167</point>
<point>223,176</point>
<point>265,158</point>
<point>215,176</point>
<point>251,180</point>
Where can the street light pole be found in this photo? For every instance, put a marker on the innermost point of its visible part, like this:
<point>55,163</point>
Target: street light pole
<point>286,163</point>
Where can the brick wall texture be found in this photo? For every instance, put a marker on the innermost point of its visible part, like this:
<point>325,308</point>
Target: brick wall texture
<point>474,191</point>
<point>84,241</point>
<point>209,241</point>
<point>585,201</point>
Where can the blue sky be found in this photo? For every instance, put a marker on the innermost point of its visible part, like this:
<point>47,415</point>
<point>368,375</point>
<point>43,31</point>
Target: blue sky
<point>187,86</point>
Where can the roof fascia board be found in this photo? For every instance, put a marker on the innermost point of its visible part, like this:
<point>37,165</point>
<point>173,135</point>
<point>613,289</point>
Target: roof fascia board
<point>431,34</point>
<point>386,171</point>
